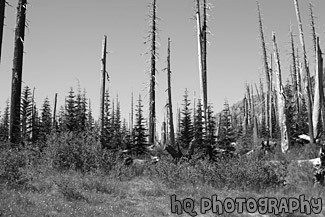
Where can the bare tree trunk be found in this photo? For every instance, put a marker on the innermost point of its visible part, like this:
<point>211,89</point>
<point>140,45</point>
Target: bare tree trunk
<point>54,111</point>
<point>102,88</point>
<point>245,121</point>
<point>281,100</point>
<point>2,18</point>
<point>294,71</point>
<point>204,65</point>
<point>319,92</point>
<point>254,119</point>
<point>312,24</point>
<point>200,49</point>
<point>171,122</point>
<point>17,72</point>
<point>306,74</point>
<point>271,99</point>
<point>152,100</point>
<point>266,68</point>
<point>32,127</point>
<point>131,121</point>
<point>249,108</point>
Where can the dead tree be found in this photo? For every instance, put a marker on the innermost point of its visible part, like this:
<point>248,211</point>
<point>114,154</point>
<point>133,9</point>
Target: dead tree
<point>102,88</point>
<point>204,64</point>
<point>312,24</point>
<point>54,111</point>
<point>294,71</point>
<point>131,121</point>
<point>17,72</point>
<point>268,112</point>
<point>202,56</point>
<point>319,91</point>
<point>2,18</point>
<point>171,122</point>
<point>152,100</point>
<point>280,99</point>
<point>306,74</point>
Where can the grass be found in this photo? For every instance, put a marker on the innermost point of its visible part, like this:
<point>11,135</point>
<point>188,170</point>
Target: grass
<point>38,187</point>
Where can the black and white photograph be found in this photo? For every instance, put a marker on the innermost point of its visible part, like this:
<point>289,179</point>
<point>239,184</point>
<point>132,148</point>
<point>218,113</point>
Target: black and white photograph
<point>151,108</point>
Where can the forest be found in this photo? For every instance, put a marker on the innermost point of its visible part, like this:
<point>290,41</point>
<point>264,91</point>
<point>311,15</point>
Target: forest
<point>61,160</point>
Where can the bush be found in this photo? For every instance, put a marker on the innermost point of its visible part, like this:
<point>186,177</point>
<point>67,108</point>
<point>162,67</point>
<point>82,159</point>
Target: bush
<point>73,151</point>
<point>13,167</point>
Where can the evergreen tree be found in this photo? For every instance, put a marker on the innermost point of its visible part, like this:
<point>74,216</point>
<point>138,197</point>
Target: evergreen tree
<point>126,136</point>
<point>26,108</point>
<point>117,139</point>
<point>140,135</point>
<point>211,127</point>
<point>90,119</point>
<point>198,127</point>
<point>81,111</point>
<point>186,127</point>
<point>227,133</point>
<point>46,118</point>
<point>290,110</point>
<point>36,124</point>
<point>107,122</point>
<point>4,126</point>
<point>61,119</point>
<point>70,111</point>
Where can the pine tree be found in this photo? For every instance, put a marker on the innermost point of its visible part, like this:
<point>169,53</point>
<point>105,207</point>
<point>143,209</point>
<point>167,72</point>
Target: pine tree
<point>211,125</point>
<point>70,111</point>
<point>290,110</point>
<point>4,126</point>
<point>186,127</point>
<point>107,134</point>
<point>116,127</point>
<point>140,135</point>
<point>126,136</point>
<point>26,113</point>
<point>198,127</point>
<point>81,111</point>
<point>61,119</point>
<point>227,133</point>
<point>90,119</point>
<point>46,119</point>
<point>36,124</point>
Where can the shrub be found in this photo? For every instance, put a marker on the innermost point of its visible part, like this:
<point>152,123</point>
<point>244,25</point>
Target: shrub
<point>73,151</point>
<point>13,167</point>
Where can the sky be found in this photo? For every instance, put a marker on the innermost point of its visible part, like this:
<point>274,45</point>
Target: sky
<point>64,38</point>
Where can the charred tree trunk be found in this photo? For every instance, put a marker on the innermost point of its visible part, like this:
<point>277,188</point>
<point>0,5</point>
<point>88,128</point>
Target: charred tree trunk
<point>54,111</point>
<point>2,18</point>
<point>319,92</point>
<point>204,64</point>
<point>267,76</point>
<point>281,100</point>
<point>131,121</point>
<point>152,100</point>
<point>312,24</point>
<point>170,107</point>
<point>102,89</point>
<point>294,72</point>
<point>17,72</point>
<point>306,74</point>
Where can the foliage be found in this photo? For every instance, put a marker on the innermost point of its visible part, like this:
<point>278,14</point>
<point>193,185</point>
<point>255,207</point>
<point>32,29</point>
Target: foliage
<point>26,109</point>
<point>140,135</point>
<point>73,151</point>
<point>226,132</point>
<point>46,119</point>
<point>4,124</point>
<point>186,128</point>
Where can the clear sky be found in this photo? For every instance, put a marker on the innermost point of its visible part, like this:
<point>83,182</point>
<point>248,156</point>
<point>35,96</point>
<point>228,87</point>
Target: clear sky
<point>64,38</point>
